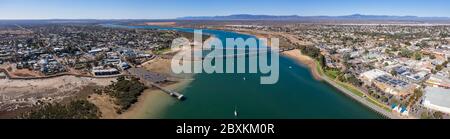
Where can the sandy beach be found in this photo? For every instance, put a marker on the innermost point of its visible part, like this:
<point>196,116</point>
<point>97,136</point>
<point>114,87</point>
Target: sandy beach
<point>294,54</point>
<point>257,34</point>
<point>304,60</point>
<point>312,66</point>
<point>153,102</point>
<point>163,66</point>
<point>105,104</point>
<point>150,105</point>
<point>157,24</point>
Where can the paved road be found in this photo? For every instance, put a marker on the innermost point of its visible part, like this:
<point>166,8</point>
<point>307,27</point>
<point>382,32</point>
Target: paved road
<point>147,75</point>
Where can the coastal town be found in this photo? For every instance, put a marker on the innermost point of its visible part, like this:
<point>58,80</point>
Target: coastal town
<point>190,68</point>
<point>54,63</point>
<point>402,68</point>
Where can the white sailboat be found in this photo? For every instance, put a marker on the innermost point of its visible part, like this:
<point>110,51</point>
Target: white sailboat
<point>235,112</point>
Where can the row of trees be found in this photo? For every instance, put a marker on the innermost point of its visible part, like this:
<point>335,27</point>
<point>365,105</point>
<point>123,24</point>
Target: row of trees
<point>310,51</point>
<point>415,97</point>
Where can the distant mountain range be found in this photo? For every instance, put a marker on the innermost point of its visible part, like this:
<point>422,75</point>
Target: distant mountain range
<point>297,17</point>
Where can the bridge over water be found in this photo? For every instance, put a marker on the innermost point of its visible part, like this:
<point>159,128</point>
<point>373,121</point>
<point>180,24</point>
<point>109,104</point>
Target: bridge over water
<point>252,52</point>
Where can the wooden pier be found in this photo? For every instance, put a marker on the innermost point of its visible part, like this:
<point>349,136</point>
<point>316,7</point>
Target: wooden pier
<point>169,92</point>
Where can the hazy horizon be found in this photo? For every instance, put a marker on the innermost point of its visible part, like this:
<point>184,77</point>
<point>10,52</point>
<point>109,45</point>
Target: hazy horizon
<point>176,18</point>
<point>172,9</point>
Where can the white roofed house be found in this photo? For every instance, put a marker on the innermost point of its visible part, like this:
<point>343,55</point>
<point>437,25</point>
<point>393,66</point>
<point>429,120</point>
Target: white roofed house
<point>437,62</point>
<point>94,51</point>
<point>102,72</point>
<point>372,74</point>
<point>446,47</point>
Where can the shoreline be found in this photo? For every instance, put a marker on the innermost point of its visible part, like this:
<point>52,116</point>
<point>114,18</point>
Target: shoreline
<point>362,100</point>
<point>313,68</point>
<point>153,102</point>
<point>304,60</point>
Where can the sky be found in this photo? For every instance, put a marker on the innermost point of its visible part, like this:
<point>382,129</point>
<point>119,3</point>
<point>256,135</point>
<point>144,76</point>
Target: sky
<point>169,9</point>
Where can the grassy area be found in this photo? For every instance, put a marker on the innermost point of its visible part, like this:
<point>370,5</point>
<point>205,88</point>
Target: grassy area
<point>350,87</point>
<point>359,93</point>
<point>319,68</point>
<point>332,73</point>
<point>371,100</point>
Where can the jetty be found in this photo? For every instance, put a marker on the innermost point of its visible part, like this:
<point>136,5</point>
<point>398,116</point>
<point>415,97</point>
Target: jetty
<point>152,79</point>
<point>169,92</point>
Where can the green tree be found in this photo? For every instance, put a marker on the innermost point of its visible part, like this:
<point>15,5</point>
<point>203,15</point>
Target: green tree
<point>341,78</point>
<point>406,53</point>
<point>445,63</point>
<point>418,93</point>
<point>353,80</point>
<point>387,51</point>
<point>394,73</point>
<point>433,71</point>
<point>432,57</point>
<point>439,67</point>
<point>126,92</point>
<point>408,43</point>
<point>438,115</point>
<point>417,56</point>
<point>424,115</point>
<point>322,61</point>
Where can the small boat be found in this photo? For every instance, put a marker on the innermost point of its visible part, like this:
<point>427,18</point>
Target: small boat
<point>290,67</point>
<point>235,112</point>
<point>245,79</point>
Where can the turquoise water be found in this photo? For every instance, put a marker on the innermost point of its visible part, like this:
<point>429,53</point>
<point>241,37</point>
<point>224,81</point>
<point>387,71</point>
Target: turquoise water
<point>297,95</point>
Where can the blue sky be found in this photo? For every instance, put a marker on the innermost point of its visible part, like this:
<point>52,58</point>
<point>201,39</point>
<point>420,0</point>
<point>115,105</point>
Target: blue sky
<point>166,9</point>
